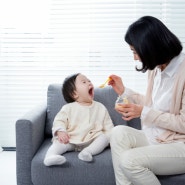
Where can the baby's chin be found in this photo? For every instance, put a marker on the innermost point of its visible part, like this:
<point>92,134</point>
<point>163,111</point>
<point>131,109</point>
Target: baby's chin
<point>90,97</point>
<point>90,101</point>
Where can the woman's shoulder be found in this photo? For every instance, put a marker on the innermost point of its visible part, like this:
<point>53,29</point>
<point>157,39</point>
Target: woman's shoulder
<point>182,66</point>
<point>183,60</point>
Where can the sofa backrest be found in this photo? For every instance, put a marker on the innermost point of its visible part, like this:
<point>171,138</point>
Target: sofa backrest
<point>55,101</point>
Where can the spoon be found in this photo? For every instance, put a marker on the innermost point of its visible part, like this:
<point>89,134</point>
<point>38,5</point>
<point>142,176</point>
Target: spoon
<point>103,85</point>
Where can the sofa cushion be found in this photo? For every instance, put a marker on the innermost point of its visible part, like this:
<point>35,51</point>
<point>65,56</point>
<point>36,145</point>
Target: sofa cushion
<point>74,171</point>
<point>55,101</point>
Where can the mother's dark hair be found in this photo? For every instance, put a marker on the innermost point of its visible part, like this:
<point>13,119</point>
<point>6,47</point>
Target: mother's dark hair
<point>154,43</point>
<point>68,88</point>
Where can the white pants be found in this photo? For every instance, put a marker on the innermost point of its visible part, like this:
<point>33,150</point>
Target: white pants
<point>136,162</point>
<point>94,148</point>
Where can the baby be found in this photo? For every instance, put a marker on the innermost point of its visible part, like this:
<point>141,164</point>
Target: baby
<point>82,125</point>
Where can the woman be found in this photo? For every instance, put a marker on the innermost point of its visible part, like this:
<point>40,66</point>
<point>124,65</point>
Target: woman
<point>157,149</point>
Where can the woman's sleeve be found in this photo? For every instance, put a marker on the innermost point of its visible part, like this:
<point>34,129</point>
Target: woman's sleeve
<point>133,97</point>
<point>169,121</point>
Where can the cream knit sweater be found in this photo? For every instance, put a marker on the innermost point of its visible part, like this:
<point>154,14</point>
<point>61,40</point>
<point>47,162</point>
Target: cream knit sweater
<point>83,123</point>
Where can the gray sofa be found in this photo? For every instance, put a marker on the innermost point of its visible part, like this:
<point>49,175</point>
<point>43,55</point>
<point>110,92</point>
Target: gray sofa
<point>33,137</point>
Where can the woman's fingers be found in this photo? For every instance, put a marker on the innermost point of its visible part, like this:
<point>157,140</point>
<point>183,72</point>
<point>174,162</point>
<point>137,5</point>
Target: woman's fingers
<point>129,111</point>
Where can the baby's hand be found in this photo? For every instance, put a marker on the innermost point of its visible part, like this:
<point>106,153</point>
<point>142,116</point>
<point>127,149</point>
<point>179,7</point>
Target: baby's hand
<point>63,137</point>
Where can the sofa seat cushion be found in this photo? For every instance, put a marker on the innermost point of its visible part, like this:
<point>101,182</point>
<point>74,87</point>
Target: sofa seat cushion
<point>77,172</point>
<point>74,171</point>
<point>172,179</point>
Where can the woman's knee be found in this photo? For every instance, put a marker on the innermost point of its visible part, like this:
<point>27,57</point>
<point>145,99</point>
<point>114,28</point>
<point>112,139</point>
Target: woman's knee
<point>116,135</point>
<point>122,134</point>
<point>118,131</point>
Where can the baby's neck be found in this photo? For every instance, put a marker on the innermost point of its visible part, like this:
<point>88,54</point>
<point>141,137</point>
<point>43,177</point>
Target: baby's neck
<point>85,103</point>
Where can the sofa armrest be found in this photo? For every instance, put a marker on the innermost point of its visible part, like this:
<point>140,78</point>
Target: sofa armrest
<point>29,136</point>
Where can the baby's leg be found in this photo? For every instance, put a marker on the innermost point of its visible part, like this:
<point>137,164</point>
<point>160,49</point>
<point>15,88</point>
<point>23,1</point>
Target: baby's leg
<point>96,147</point>
<point>53,155</point>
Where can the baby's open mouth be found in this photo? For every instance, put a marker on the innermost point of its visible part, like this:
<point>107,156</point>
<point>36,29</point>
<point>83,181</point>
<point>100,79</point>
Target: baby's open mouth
<point>91,91</point>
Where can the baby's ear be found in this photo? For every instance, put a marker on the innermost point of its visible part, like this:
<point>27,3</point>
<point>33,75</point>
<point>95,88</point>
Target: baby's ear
<point>75,95</point>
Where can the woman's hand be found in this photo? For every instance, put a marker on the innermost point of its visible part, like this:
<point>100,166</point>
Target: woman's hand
<point>117,84</point>
<point>63,137</point>
<point>129,111</point>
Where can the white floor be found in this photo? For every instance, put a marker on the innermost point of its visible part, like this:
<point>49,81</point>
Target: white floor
<point>7,168</point>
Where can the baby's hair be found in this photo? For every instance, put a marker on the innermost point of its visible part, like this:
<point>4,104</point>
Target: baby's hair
<point>68,88</point>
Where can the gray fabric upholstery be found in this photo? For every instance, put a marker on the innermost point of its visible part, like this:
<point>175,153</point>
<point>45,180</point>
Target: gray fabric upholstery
<point>29,137</point>
<point>74,171</point>
<point>33,138</point>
